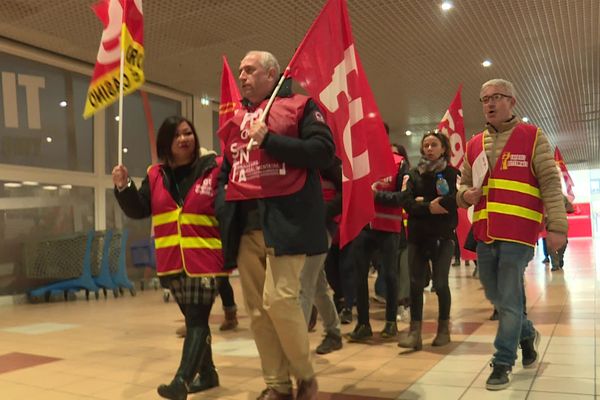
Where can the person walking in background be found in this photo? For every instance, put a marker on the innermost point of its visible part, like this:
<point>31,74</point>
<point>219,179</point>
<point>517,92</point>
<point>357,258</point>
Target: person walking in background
<point>509,175</point>
<point>179,194</point>
<point>428,196</point>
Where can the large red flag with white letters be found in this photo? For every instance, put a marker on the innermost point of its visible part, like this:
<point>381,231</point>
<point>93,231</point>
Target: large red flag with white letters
<point>558,159</point>
<point>327,66</point>
<point>231,99</point>
<point>452,124</point>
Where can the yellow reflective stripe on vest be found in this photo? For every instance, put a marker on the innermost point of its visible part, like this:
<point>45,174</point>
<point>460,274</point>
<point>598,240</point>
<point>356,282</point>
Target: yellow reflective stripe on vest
<point>517,211</point>
<point>506,184</point>
<point>200,243</point>
<point>198,219</point>
<point>479,215</point>
<point>166,241</point>
<point>165,218</point>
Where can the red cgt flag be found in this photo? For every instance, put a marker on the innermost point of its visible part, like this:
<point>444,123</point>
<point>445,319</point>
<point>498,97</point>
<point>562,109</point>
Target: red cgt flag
<point>231,100</point>
<point>453,126</point>
<point>569,185</point>
<point>328,67</point>
<point>123,22</point>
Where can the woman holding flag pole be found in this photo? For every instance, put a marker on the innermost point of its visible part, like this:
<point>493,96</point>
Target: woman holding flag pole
<point>179,194</point>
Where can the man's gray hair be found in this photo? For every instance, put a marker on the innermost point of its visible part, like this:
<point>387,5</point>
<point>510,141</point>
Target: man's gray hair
<point>267,60</point>
<point>507,86</point>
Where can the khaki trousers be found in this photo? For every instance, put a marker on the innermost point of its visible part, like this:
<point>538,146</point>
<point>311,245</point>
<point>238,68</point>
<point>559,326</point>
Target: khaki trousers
<point>271,286</point>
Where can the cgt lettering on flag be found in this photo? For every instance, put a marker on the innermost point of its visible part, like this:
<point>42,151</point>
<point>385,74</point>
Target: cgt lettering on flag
<point>123,30</point>
<point>359,165</point>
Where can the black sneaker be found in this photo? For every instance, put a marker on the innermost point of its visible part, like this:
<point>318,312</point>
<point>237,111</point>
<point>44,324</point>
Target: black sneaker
<point>390,330</point>
<point>346,316</point>
<point>330,343</point>
<point>499,378</point>
<point>529,350</point>
<point>546,260</point>
<point>494,316</point>
<point>361,333</point>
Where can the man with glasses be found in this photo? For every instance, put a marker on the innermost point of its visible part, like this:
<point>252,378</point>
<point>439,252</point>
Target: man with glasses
<point>509,176</point>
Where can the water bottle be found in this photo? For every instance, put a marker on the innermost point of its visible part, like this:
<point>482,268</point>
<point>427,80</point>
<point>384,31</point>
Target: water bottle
<point>441,185</point>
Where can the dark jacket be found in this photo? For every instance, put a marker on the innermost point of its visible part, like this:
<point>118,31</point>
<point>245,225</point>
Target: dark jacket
<point>422,225</point>
<point>333,208</point>
<point>136,203</point>
<point>292,224</point>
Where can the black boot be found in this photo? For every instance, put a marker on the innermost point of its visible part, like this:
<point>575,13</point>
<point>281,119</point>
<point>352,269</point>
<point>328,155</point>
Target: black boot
<point>207,373</point>
<point>193,345</point>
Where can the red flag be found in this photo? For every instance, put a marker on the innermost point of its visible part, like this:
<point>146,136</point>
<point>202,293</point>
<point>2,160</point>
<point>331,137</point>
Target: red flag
<point>123,23</point>
<point>328,67</point>
<point>569,185</point>
<point>231,100</point>
<point>453,126</point>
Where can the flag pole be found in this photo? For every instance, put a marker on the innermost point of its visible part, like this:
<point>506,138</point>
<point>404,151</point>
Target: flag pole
<point>263,117</point>
<point>121,67</point>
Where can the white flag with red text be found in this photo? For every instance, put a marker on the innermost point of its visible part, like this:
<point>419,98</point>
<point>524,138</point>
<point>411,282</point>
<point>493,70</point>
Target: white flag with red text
<point>327,66</point>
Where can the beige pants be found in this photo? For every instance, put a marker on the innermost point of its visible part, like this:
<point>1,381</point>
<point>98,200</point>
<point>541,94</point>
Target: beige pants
<point>271,286</point>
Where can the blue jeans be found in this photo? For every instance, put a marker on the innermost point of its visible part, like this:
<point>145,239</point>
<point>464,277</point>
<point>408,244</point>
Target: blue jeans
<point>501,268</point>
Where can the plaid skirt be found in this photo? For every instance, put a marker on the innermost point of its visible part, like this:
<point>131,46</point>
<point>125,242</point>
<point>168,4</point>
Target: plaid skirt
<point>188,290</point>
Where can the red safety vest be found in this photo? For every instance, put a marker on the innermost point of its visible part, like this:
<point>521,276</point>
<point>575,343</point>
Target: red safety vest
<point>511,207</point>
<point>254,174</point>
<point>388,219</point>
<point>186,238</point>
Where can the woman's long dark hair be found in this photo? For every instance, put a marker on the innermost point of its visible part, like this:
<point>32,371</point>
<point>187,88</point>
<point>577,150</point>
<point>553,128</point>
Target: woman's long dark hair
<point>443,139</point>
<point>402,151</point>
<point>165,136</point>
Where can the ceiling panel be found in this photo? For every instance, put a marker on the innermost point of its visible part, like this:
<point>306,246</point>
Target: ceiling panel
<point>415,55</point>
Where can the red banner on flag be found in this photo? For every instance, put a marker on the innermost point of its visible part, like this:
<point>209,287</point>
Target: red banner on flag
<point>231,99</point>
<point>123,33</point>
<point>453,125</point>
<point>569,185</point>
<point>327,66</point>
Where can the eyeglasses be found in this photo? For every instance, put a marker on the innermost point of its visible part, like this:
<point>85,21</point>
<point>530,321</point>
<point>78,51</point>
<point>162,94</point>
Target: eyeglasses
<point>493,97</point>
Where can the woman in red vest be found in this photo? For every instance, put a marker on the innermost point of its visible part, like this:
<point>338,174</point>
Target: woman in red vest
<point>179,194</point>
<point>428,197</point>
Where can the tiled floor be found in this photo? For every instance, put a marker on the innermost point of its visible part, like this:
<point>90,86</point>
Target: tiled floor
<point>123,348</point>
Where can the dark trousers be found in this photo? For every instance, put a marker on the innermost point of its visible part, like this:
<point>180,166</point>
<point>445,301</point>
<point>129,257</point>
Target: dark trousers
<point>332,272</point>
<point>363,248</point>
<point>439,253</point>
<point>226,292</point>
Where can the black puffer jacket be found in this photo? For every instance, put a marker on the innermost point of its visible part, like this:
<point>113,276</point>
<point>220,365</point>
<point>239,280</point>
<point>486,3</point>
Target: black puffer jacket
<point>422,225</point>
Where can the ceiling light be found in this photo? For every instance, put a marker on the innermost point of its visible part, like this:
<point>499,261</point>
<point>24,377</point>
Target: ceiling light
<point>48,139</point>
<point>12,185</point>
<point>125,149</point>
<point>486,63</point>
<point>408,133</point>
<point>525,119</point>
<point>66,186</point>
<point>447,5</point>
<point>63,104</point>
<point>30,183</point>
<point>50,187</point>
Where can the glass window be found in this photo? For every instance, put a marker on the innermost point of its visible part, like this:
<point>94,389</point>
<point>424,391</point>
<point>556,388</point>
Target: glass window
<point>30,213</point>
<point>41,123</point>
<point>136,142</point>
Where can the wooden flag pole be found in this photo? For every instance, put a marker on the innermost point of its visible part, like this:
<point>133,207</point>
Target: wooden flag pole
<point>263,117</point>
<point>121,67</point>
